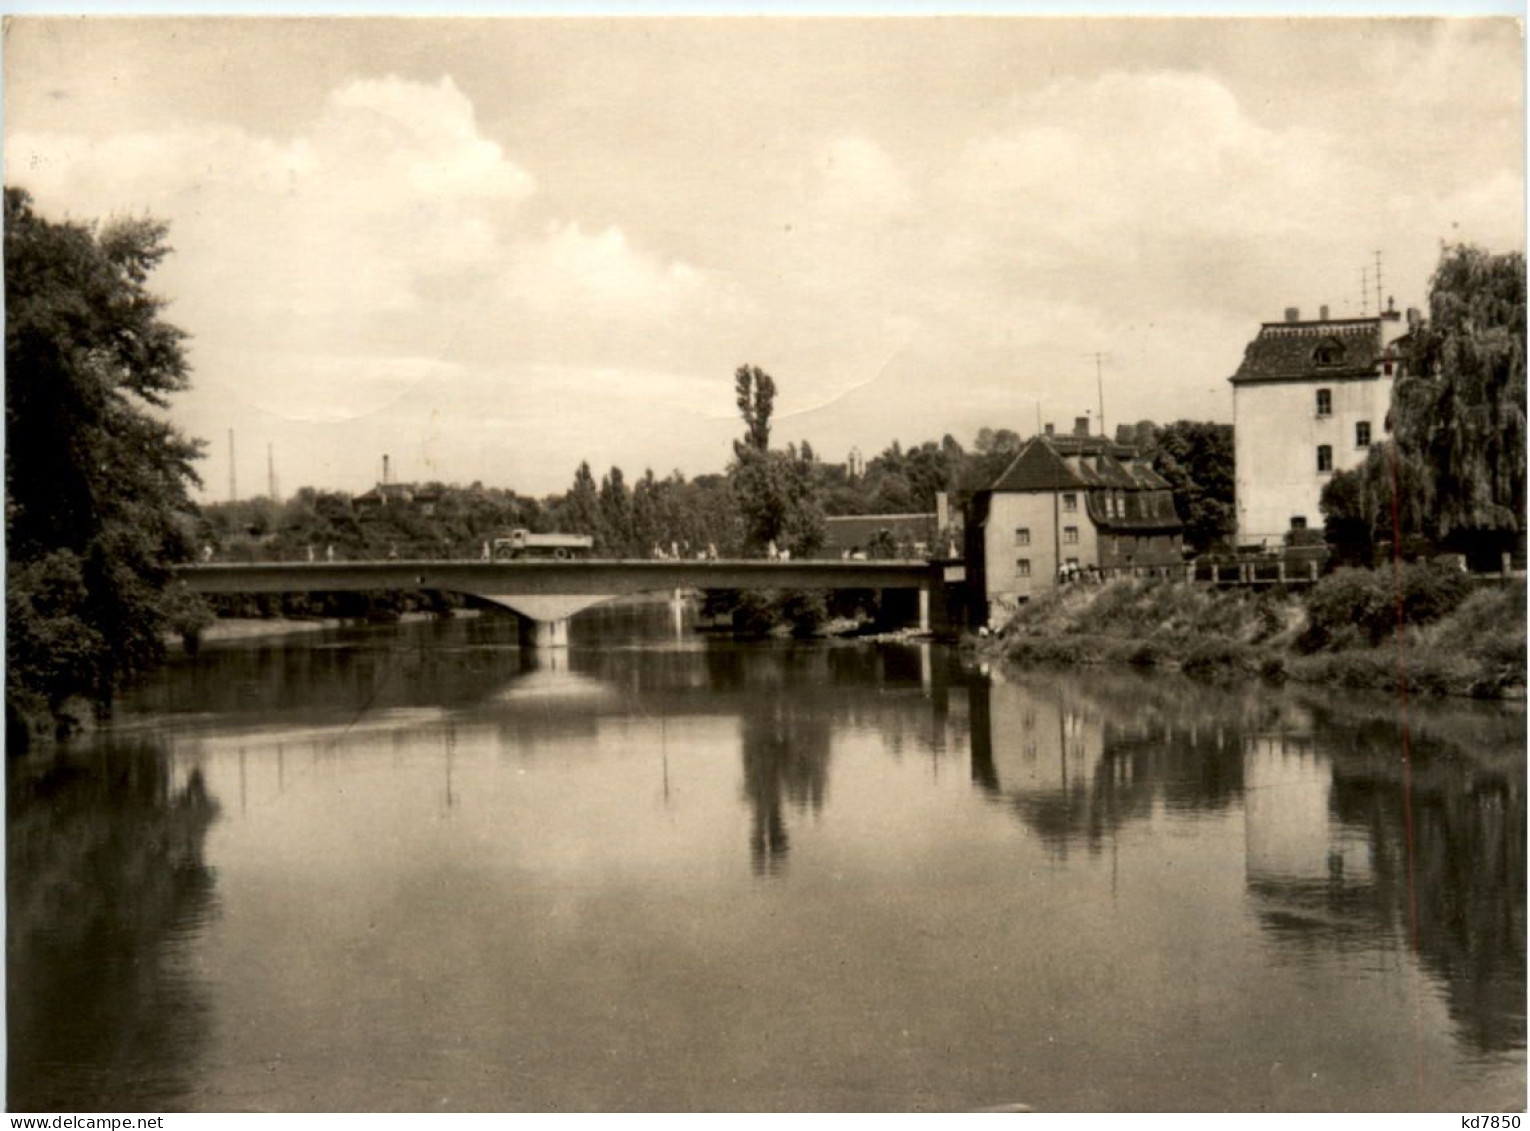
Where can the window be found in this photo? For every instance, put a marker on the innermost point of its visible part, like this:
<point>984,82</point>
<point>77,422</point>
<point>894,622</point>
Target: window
<point>1298,522</point>
<point>1070,535</point>
<point>1022,535</point>
<point>1325,458</point>
<point>1363,434</point>
<point>1070,501</point>
<point>1329,353</point>
<point>1022,567</point>
<point>1325,402</point>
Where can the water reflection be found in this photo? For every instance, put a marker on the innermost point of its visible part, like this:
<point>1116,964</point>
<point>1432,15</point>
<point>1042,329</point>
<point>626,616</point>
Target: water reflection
<point>608,868</point>
<point>1349,845</point>
<point>107,891</point>
<point>1077,761</point>
<point>786,749</point>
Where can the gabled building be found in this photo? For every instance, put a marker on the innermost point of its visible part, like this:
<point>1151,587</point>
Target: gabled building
<point>1065,507</point>
<point>1309,399</point>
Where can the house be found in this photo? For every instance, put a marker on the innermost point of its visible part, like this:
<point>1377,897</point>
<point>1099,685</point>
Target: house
<point>878,535</point>
<point>1309,399</point>
<point>1068,506</point>
<point>892,535</point>
<point>421,499</point>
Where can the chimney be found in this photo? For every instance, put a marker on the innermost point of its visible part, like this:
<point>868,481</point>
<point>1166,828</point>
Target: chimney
<point>1323,313</point>
<point>1049,430</point>
<point>1081,426</point>
<point>385,469</point>
<point>1293,314</point>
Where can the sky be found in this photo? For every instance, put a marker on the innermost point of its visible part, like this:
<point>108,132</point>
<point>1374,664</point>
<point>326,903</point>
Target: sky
<point>491,249</point>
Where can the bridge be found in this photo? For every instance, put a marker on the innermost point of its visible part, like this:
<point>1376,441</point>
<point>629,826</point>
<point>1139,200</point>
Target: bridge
<point>545,594</point>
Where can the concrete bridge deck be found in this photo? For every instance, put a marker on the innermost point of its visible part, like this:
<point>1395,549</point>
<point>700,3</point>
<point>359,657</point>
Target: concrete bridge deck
<point>546,593</point>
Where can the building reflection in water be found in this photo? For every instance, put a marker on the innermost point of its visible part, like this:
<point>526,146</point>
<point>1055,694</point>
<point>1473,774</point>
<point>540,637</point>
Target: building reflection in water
<point>1076,765</point>
<point>1328,802</point>
<point>107,893</point>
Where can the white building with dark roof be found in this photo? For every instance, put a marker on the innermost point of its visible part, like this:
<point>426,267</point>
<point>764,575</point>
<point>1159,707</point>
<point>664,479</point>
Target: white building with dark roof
<point>1309,399</point>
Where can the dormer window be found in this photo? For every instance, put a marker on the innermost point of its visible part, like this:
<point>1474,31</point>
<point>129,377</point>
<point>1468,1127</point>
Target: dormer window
<point>1329,352</point>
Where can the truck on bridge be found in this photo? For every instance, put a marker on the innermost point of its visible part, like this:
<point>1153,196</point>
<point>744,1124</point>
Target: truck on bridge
<point>521,543</point>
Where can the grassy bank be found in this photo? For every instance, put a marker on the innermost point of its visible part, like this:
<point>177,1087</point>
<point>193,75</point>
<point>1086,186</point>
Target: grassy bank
<point>1456,638</point>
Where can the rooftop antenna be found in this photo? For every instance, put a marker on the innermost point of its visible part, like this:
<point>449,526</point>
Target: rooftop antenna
<point>1099,380</point>
<point>1365,291</point>
<point>232,493</point>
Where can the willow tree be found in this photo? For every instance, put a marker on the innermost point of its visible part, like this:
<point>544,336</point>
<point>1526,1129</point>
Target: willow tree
<point>1461,406</point>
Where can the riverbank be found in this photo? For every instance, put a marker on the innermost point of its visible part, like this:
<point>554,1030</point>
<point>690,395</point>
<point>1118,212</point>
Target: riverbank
<point>1457,638</point>
<point>235,629</point>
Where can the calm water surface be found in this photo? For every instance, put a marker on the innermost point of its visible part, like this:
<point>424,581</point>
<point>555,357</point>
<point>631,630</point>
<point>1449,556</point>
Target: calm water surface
<point>414,868</point>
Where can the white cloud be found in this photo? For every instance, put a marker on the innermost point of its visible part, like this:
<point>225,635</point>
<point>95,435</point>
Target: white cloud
<point>384,254</point>
<point>856,180</point>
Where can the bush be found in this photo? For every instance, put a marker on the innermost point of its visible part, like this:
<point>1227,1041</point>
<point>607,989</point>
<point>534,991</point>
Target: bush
<point>1216,659</point>
<point>804,610</point>
<point>1370,602</point>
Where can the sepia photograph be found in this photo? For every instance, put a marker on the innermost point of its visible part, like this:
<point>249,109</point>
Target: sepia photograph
<point>764,563</point>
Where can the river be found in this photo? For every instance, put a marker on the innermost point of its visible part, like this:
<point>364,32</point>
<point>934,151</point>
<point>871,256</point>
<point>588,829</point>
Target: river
<point>414,868</point>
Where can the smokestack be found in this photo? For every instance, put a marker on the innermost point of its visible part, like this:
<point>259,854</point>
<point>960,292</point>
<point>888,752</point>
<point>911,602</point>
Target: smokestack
<point>1081,426</point>
<point>385,469</point>
<point>1323,313</point>
<point>1293,314</point>
<point>232,494</point>
<point>1049,430</point>
<point>270,472</point>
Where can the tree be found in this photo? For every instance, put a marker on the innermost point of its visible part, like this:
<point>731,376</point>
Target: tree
<point>1461,403</point>
<point>1197,460</point>
<point>615,514</point>
<point>774,491</point>
<point>990,441</point>
<point>580,512</point>
<point>97,504</point>
<point>1387,495</point>
<point>756,394</point>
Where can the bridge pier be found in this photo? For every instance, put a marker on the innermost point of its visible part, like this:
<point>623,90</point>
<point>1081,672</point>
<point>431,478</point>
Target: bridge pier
<point>544,634</point>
